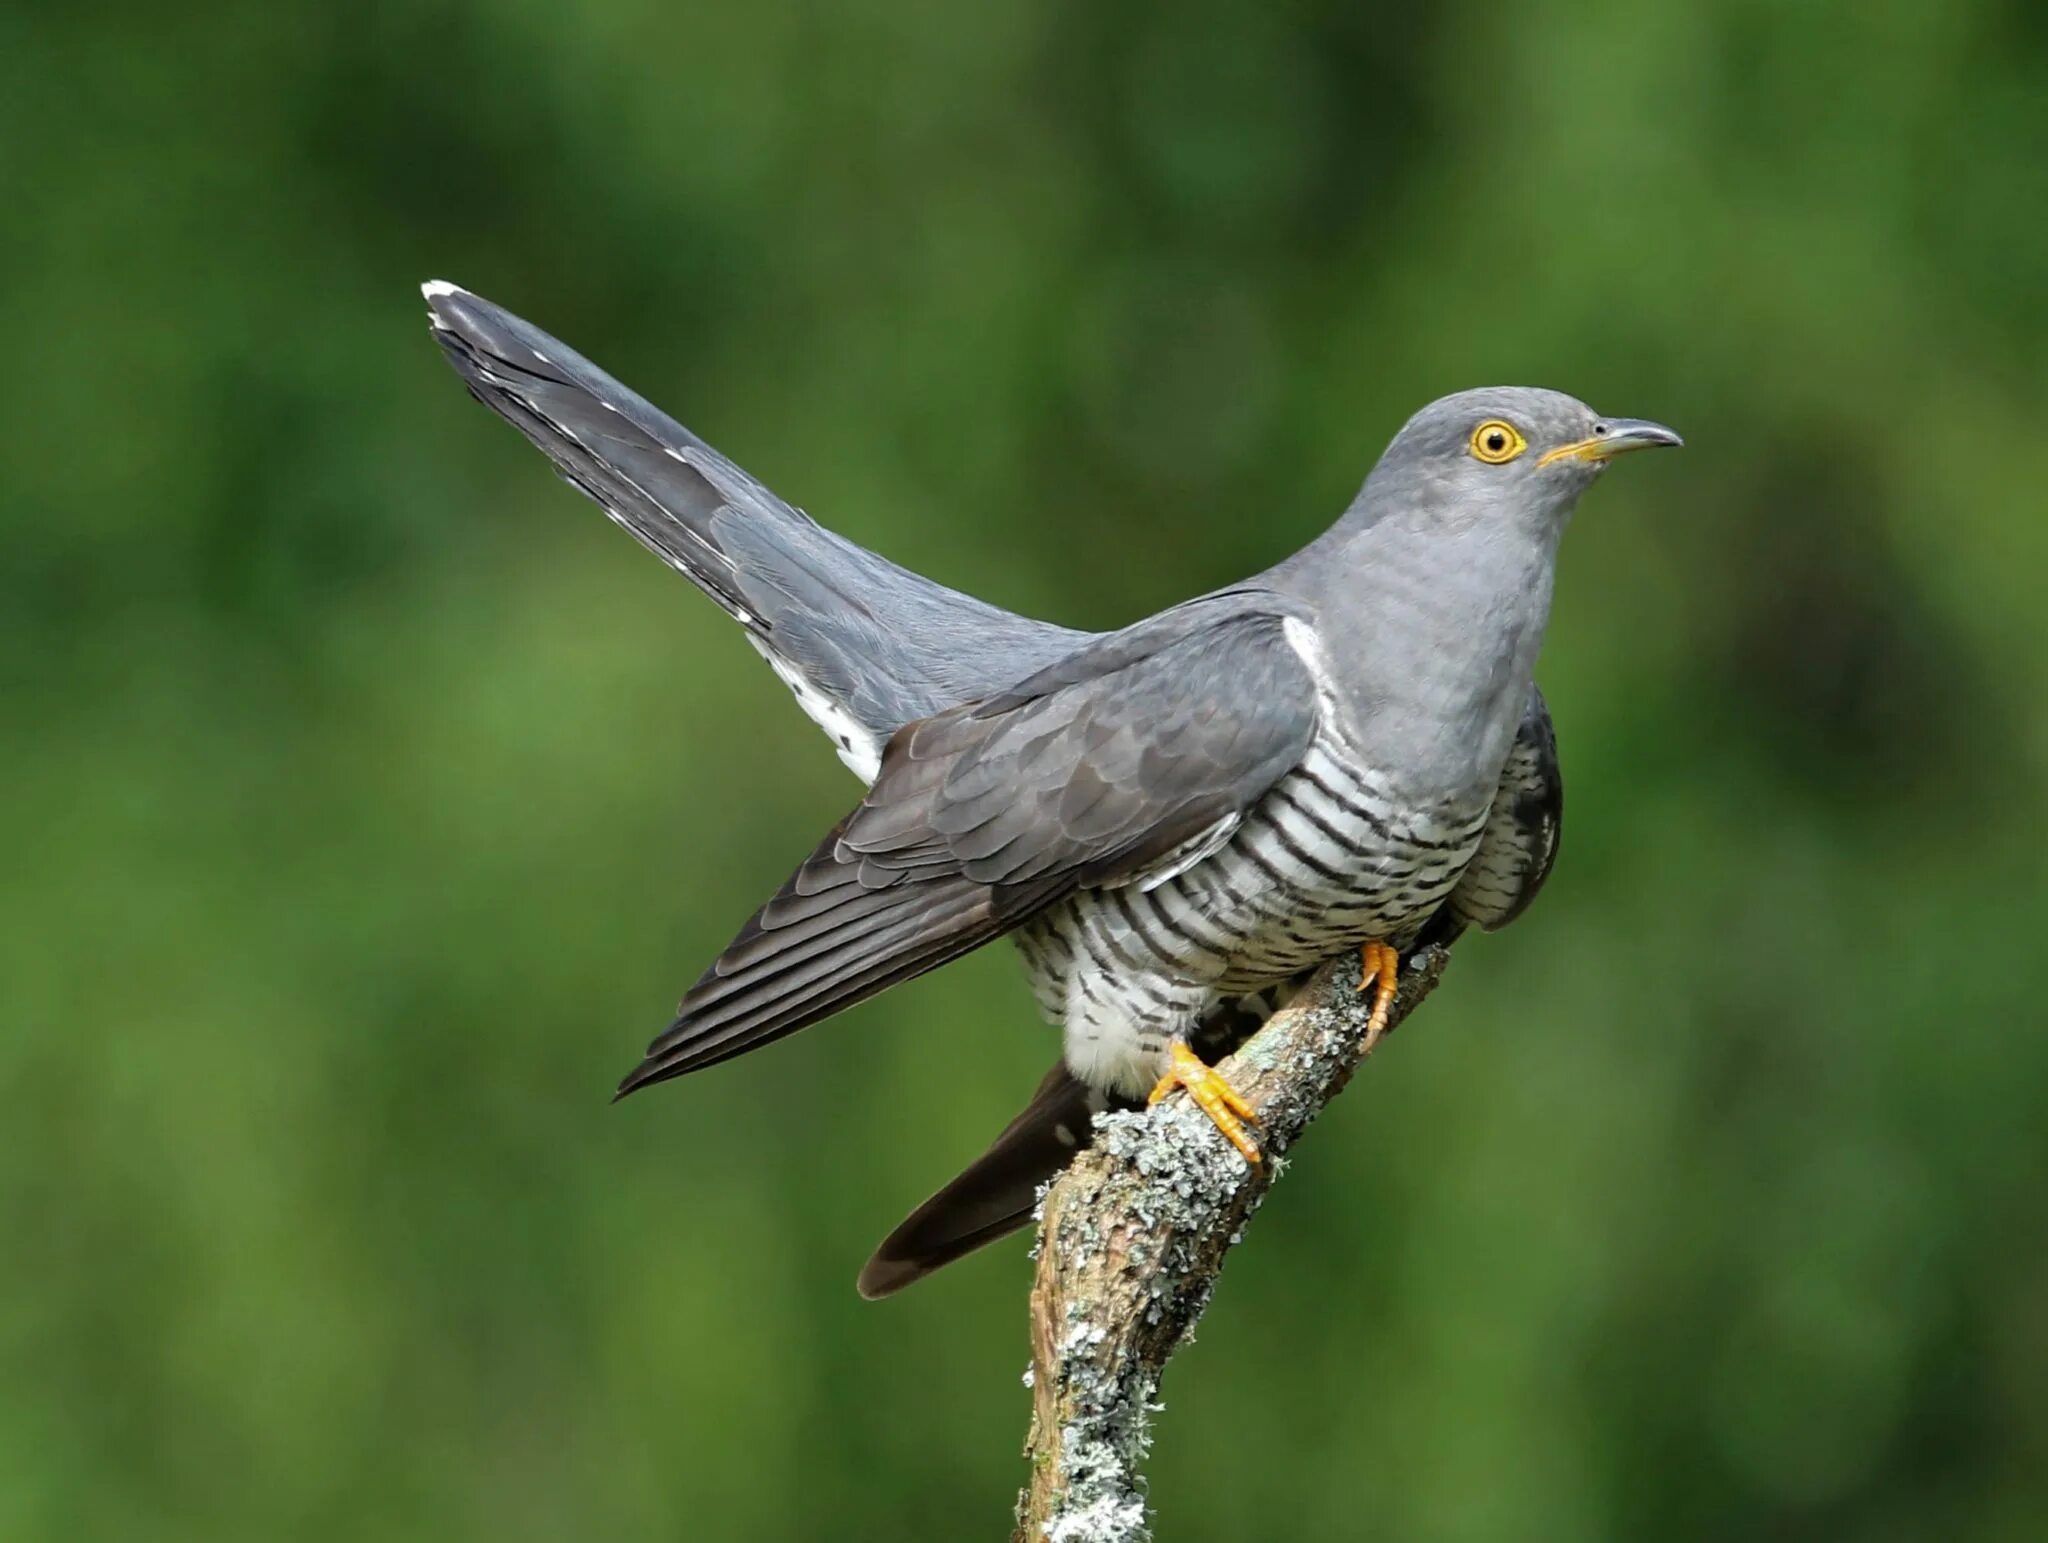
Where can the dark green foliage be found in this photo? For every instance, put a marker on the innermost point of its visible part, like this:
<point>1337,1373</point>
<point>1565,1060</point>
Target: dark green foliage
<point>369,799</point>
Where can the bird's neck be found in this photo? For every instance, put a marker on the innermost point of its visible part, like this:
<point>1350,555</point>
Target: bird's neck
<point>1430,637</point>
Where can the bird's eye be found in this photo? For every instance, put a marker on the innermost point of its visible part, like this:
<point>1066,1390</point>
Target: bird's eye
<point>1495,441</point>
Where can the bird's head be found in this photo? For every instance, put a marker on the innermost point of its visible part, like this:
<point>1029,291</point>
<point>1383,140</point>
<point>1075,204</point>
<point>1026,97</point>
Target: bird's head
<point>1516,450</point>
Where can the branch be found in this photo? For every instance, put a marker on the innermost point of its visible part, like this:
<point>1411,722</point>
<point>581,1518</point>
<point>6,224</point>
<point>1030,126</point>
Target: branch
<point>1131,1240</point>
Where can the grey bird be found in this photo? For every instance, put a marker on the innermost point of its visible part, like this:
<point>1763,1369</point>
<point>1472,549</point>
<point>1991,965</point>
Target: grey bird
<point>1177,820</point>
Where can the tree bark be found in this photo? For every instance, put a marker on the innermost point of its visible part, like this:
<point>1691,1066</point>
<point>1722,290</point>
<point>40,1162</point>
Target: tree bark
<point>1130,1242</point>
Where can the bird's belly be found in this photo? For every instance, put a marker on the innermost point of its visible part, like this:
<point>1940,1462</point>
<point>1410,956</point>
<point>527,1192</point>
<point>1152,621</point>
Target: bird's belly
<point>1329,858</point>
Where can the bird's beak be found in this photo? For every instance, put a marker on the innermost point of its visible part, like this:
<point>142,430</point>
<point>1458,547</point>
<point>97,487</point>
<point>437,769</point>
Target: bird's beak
<point>1613,437</point>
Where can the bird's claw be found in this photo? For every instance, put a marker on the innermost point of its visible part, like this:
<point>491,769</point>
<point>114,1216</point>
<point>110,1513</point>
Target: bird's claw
<point>1379,969</point>
<point>1226,1108</point>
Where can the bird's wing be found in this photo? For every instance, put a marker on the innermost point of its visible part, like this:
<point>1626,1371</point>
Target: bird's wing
<point>1089,772</point>
<point>866,645</point>
<point>997,1192</point>
<point>1519,846</point>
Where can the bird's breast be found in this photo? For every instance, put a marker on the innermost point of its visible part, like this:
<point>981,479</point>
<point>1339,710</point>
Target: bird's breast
<point>1331,856</point>
<point>1424,676</point>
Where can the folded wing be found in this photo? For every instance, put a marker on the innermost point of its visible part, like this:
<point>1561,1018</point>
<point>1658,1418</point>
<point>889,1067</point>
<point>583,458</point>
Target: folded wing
<point>1519,846</point>
<point>1104,764</point>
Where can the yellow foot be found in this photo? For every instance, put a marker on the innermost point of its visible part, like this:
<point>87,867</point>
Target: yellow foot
<point>1379,966</point>
<point>1215,1097</point>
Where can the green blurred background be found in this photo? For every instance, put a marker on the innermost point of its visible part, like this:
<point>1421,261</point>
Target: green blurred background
<point>369,799</point>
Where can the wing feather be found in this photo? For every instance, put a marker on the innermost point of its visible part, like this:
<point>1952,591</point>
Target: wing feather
<point>1111,763</point>
<point>1519,845</point>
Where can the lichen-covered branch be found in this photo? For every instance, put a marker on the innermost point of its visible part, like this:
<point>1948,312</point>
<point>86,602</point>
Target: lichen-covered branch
<point>1131,1240</point>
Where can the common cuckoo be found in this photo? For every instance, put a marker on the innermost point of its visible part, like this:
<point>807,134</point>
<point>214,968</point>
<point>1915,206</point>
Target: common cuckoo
<point>1175,820</point>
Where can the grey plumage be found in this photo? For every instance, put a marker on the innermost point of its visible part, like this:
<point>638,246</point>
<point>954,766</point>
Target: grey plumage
<point>994,1196</point>
<point>996,1193</point>
<point>850,630</point>
<point>1174,819</point>
<point>1523,828</point>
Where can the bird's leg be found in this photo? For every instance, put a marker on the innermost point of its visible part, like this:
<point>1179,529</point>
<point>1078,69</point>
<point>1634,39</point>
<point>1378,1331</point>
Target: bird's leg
<point>1379,966</point>
<point>1213,1095</point>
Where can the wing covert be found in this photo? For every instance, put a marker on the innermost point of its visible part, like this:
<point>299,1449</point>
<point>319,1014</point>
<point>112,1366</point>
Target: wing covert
<point>983,815</point>
<point>1519,846</point>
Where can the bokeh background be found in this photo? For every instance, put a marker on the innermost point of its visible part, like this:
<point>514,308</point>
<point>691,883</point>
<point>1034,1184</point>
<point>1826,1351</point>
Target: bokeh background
<point>368,799</point>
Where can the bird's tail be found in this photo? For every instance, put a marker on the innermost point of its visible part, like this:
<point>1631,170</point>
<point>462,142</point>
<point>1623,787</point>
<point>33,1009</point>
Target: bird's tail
<point>648,472</point>
<point>866,645</point>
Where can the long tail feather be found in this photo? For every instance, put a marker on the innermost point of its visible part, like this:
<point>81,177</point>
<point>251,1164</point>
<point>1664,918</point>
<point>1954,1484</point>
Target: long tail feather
<point>866,644</point>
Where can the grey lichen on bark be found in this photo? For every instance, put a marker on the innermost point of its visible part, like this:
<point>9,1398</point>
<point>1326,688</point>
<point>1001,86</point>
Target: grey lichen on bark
<point>1130,1242</point>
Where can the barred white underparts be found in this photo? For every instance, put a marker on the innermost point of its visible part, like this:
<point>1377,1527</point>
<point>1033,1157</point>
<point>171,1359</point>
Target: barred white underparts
<point>1328,859</point>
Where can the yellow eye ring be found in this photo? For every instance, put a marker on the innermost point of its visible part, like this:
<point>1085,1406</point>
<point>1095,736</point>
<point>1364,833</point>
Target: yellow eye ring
<point>1496,442</point>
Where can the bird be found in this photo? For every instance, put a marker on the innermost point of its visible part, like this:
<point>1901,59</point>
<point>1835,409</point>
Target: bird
<point>1176,821</point>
